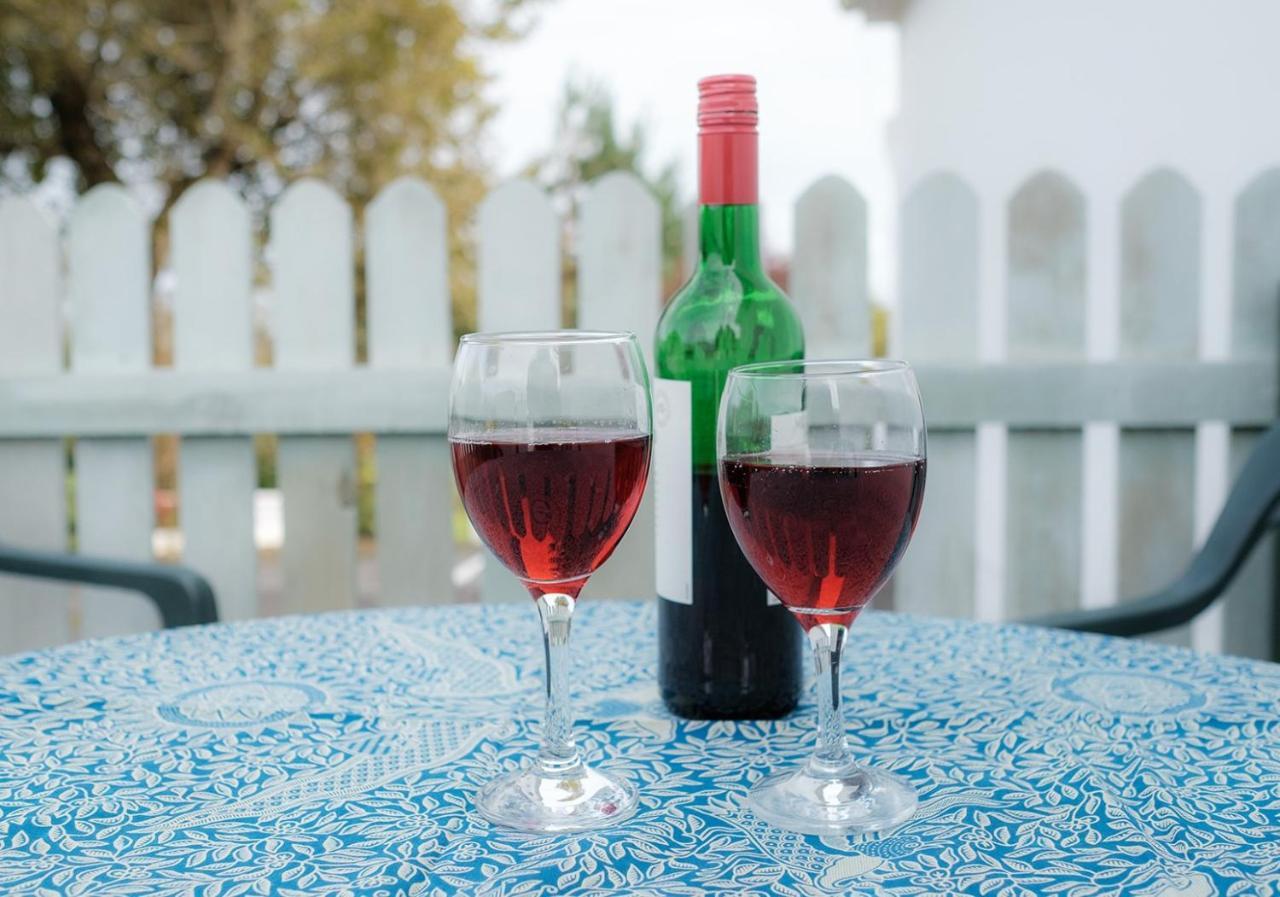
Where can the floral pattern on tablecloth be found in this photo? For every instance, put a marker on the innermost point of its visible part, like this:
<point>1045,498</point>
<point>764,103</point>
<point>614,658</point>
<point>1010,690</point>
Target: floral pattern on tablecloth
<point>338,754</point>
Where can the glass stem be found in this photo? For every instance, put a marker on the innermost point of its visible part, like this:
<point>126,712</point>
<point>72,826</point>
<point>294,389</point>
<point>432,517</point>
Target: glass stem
<point>558,754</point>
<point>832,756</point>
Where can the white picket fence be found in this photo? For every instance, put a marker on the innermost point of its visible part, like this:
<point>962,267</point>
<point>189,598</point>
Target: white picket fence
<point>1025,455</point>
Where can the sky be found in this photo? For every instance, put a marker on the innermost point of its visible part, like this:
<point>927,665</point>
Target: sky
<point>827,87</point>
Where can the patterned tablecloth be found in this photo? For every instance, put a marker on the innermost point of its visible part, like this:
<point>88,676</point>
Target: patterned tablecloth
<point>338,754</point>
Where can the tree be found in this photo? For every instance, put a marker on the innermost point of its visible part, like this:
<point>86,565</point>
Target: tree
<point>259,90</point>
<point>256,91</point>
<point>588,144</point>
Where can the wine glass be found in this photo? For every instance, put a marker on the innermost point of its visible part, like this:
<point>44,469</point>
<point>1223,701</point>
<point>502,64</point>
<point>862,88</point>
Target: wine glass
<point>822,470</point>
<point>549,434</point>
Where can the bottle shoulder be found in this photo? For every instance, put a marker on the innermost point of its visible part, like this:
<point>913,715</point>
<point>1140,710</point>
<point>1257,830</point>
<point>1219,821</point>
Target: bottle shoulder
<point>724,295</point>
<point>722,317</point>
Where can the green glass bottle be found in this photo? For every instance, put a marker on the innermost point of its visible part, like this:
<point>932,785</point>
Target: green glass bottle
<point>726,648</point>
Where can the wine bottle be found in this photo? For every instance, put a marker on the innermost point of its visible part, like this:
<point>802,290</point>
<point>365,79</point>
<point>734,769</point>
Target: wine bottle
<point>726,648</point>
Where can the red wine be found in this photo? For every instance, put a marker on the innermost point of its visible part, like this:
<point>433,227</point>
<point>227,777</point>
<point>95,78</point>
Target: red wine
<point>724,651</point>
<point>823,533</point>
<point>552,508</point>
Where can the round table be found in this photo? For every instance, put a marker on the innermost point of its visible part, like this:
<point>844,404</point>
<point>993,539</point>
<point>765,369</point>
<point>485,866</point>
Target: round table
<point>339,754</point>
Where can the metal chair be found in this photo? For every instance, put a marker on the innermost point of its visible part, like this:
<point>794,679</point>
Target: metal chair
<point>182,596</point>
<point>1252,508</point>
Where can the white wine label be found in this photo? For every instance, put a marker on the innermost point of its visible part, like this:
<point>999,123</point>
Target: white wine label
<point>673,489</point>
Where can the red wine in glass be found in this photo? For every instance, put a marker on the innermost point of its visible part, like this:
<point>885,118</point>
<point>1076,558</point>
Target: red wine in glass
<point>553,504</point>
<point>824,533</point>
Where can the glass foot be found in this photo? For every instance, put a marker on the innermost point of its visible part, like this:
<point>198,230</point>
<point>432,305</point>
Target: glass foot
<point>845,802</point>
<point>577,800</point>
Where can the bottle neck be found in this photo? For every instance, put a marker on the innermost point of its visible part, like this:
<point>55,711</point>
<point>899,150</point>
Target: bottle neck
<point>729,235</point>
<point>728,222</point>
<point>728,167</point>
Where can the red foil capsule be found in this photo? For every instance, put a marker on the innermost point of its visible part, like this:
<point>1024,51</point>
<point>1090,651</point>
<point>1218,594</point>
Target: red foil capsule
<point>727,140</point>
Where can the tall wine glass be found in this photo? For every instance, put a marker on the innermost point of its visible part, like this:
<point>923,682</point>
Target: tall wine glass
<point>550,434</point>
<point>822,469</point>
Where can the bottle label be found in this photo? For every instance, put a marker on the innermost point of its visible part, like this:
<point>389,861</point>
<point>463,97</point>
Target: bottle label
<point>673,488</point>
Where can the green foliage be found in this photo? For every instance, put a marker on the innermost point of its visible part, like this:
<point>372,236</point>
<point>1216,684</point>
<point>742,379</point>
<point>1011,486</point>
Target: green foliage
<point>366,484</point>
<point>879,330</point>
<point>257,91</point>
<point>265,451</point>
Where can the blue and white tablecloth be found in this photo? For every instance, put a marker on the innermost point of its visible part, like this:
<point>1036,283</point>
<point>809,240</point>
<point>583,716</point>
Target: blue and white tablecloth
<point>339,753</point>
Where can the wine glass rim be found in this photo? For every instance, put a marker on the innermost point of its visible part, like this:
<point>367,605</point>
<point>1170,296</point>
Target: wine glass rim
<point>822,367</point>
<point>546,337</point>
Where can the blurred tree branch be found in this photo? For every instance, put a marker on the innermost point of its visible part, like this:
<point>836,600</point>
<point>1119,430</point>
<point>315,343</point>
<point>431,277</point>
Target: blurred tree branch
<point>257,91</point>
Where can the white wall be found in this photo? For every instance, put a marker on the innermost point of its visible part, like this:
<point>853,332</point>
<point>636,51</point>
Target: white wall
<point>1102,91</point>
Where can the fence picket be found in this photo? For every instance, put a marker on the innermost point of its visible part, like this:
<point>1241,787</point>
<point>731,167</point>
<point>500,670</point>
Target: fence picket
<point>829,271</point>
<point>1159,256</point>
<point>33,503</point>
<point>1159,320</point>
<point>518,259</point>
<point>939,322</point>
<point>620,259</point>
<point>213,331</point>
<point>1248,624</point>
<point>314,316</point>
<point>109,278</point>
<point>1046,313</point>
<point>410,326</point>
<point>619,288</point>
<point>518,280</point>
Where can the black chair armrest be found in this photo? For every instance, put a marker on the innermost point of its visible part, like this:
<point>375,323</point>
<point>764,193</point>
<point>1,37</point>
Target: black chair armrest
<point>1154,613</point>
<point>182,596</point>
<point>1252,508</point>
